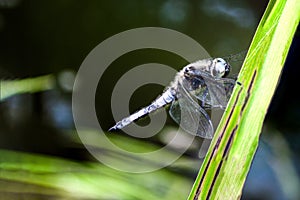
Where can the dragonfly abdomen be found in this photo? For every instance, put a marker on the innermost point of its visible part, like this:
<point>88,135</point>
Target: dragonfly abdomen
<point>166,98</point>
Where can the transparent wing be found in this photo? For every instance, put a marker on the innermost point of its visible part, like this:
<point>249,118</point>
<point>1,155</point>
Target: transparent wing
<point>236,57</point>
<point>190,115</point>
<point>214,92</point>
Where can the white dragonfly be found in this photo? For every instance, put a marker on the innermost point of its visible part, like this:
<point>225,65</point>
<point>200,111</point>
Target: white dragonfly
<point>198,87</point>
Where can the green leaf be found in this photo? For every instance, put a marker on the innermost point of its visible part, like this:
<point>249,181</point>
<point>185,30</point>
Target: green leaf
<point>31,176</point>
<point>29,85</point>
<point>229,157</point>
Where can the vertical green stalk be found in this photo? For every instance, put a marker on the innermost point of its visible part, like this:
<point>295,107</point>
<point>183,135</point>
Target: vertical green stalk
<point>226,165</point>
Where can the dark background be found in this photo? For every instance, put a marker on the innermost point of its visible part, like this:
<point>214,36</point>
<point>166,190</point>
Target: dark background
<point>53,37</point>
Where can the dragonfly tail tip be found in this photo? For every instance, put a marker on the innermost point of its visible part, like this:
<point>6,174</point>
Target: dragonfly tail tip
<point>112,129</point>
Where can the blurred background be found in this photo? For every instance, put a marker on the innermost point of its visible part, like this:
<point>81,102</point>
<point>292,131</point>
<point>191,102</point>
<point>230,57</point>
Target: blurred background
<point>41,156</point>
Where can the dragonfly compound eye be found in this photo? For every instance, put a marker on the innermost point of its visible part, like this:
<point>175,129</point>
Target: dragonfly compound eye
<point>220,67</point>
<point>227,70</point>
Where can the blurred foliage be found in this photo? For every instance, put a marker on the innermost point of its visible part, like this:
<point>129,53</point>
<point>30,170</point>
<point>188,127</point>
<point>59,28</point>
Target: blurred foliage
<point>13,87</point>
<point>30,176</point>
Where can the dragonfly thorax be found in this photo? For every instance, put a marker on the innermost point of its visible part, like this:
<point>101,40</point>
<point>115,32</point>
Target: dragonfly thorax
<point>217,68</point>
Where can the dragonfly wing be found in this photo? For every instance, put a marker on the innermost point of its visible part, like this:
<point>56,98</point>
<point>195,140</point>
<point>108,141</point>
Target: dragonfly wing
<point>236,57</point>
<point>190,115</point>
<point>219,92</point>
<point>214,93</point>
<point>175,112</point>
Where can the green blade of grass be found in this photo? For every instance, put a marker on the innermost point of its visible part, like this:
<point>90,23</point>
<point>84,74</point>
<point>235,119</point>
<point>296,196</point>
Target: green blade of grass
<point>29,85</point>
<point>28,176</point>
<point>229,157</point>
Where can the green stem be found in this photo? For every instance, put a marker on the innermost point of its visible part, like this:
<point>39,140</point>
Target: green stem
<point>226,165</point>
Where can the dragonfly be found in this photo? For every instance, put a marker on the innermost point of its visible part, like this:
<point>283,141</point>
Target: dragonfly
<point>196,89</point>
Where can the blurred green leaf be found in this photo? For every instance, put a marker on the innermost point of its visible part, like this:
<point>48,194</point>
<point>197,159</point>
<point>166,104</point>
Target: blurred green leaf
<point>25,175</point>
<point>29,85</point>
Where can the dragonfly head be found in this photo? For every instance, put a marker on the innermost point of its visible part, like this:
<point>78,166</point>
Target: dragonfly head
<point>221,68</point>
